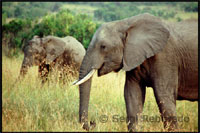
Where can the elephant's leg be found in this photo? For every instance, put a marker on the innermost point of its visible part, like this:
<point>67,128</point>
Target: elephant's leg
<point>165,90</point>
<point>43,71</point>
<point>134,94</point>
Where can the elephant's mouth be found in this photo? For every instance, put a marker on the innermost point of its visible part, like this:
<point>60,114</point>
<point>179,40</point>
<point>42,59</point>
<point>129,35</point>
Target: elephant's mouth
<point>105,69</point>
<point>100,70</point>
<point>118,69</point>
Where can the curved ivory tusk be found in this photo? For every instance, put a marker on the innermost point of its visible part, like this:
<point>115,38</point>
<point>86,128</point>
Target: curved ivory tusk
<point>89,75</point>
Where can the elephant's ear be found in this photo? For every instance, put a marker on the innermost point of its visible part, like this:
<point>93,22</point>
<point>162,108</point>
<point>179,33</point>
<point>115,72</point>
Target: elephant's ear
<point>54,47</point>
<point>143,39</point>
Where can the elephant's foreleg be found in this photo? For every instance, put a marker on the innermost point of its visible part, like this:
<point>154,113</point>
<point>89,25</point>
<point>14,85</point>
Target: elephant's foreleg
<point>134,94</point>
<point>165,90</point>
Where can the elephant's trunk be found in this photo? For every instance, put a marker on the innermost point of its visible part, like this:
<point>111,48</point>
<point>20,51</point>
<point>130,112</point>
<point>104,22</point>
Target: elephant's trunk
<point>84,91</point>
<point>24,67</point>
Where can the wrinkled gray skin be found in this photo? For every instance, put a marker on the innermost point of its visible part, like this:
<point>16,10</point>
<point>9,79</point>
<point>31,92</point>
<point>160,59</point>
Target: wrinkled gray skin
<point>153,54</point>
<point>52,52</point>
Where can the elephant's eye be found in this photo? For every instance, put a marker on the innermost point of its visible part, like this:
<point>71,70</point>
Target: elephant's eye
<point>103,47</point>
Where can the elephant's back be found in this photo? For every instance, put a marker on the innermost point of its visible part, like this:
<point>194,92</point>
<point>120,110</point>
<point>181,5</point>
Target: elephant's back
<point>187,29</point>
<point>188,53</point>
<point>75,47</point>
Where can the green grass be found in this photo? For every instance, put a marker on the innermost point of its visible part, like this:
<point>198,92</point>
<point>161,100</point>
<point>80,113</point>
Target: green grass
<point>187,15</point>
<point>27,106</point>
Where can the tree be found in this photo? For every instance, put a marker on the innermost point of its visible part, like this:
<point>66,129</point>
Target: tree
<point>65,23</point>
<point>190,6</point>
<point>18,11</point>
<point>4,19</point>
<point>56,7</point>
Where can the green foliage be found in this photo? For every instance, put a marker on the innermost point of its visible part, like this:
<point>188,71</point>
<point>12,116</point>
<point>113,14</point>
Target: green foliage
<point>116,11</point>
<point>190,7</point>
<point>62,24</point>
<point>86,29</point>
<point>4,16</point>
<point>29,9</point>
<point>48,18</point>
<point>107,11</point>
<point>178,19</point>
<point>65,23</point>
<point>8,10</point>
<point>15,32</point>
<point>14,26</point>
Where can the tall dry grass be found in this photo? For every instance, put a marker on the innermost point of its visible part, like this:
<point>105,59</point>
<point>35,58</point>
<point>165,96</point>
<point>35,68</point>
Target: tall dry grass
<point>29,106</point>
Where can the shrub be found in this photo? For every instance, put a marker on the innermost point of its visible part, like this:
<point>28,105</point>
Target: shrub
<point>190,7</point>
<point>64,23</point>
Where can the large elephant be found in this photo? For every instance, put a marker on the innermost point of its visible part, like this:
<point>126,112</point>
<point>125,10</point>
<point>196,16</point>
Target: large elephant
<point>52,52</point>
<point>154,54</point>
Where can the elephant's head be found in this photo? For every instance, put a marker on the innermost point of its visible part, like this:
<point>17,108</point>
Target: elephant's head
<point>116,45</point>
<point>41,50</point>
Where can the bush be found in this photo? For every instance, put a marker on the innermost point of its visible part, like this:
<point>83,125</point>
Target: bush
<point>64,23</point>
<point>111,12</point>
<point>15,32</point>
<point>29,9</point>
<point>4,16</point>
<point>190,7</point>
<point>178,19</point>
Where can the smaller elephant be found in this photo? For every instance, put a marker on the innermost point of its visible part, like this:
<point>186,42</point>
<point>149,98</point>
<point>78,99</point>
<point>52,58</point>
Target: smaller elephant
<point>52,52</point>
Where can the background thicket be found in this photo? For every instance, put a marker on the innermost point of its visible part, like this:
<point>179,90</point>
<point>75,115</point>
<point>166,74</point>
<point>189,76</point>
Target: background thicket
<point>22,20</point>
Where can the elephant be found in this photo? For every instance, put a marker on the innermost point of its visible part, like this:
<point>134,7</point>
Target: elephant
<point>153,53</point>
<point>52,53</point>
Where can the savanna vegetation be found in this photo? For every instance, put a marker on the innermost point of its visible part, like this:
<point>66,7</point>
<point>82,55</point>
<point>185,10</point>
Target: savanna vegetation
<point>29,106</point>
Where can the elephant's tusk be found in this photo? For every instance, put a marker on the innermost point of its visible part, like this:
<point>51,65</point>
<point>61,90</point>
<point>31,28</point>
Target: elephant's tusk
<point>89,75</point>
